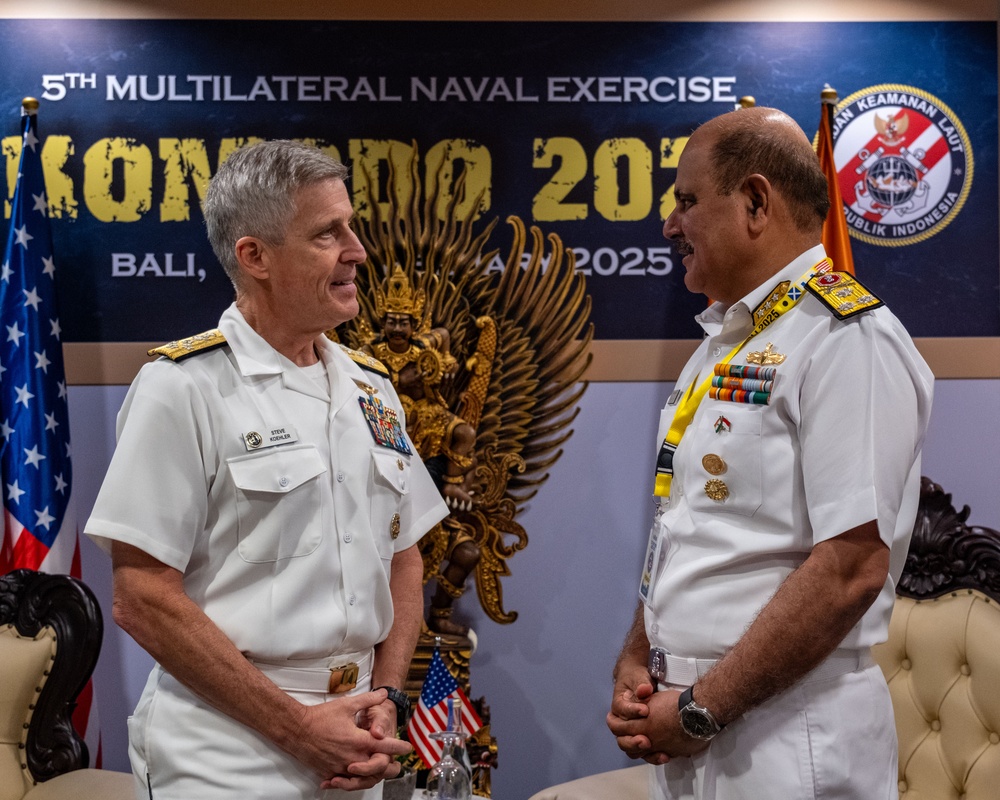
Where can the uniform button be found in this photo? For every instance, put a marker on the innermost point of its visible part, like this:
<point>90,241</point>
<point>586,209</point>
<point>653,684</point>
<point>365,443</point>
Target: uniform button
<point>340,477</point>
<point>352,599</point>
<point>717,351</point>
<point>402,485</point>
<point>282,481</point>
<point>654,628</point>
<point>348,538</point>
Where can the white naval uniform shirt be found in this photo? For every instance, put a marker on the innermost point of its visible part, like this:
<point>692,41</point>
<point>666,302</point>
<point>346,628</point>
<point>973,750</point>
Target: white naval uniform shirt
<point>838,445</point>
<point>286,548</point>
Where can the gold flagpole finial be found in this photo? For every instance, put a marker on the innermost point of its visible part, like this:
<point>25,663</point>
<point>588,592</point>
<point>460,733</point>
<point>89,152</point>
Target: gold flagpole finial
<point>747,101</point>
<point>828,95</point>
<point>29,105</point>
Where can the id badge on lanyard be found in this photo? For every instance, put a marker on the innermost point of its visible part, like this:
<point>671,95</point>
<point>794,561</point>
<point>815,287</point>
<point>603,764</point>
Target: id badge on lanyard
<point>656,551</point>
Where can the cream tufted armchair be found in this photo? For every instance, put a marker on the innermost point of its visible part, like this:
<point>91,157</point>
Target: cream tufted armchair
<point>942,659</point>
<point>942,663</point>
<point>50,637</point>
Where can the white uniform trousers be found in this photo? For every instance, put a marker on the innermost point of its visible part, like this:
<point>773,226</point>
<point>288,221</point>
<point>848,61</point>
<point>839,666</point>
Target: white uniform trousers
<point>830,739</point>
<point>181,748</point>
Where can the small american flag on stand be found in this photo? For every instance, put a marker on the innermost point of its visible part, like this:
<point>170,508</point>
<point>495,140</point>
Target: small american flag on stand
<point>40,526</point>
<point>431,714</point>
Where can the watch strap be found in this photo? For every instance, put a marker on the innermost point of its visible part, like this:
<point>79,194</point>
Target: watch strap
<point>401,700</point>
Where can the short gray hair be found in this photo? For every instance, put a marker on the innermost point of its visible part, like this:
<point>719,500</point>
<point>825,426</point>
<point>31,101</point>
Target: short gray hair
<point>253,194</point>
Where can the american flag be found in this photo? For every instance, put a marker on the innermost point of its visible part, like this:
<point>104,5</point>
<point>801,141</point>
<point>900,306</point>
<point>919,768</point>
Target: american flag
<point>40,526</point>
<point>34,416</point>
<point>431,714</point>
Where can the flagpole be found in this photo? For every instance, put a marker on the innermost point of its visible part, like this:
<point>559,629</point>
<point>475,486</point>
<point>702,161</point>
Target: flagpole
<point>836,238</point>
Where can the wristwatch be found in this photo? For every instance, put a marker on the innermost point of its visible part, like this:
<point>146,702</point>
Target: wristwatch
<point>402,702</point>
<point>697,721</point>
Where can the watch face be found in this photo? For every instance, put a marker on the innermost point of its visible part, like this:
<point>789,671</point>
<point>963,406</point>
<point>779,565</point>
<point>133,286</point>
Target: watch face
<point>696,724</point>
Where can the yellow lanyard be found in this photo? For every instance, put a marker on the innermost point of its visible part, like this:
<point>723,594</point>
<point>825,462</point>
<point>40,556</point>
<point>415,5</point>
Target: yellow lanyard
<point>686,409</point>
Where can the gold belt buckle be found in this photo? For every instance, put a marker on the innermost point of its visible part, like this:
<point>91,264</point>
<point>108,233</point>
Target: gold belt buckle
<point>343,678</point>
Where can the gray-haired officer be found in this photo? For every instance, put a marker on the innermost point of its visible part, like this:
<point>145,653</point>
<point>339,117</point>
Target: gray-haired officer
<point>262,510</point>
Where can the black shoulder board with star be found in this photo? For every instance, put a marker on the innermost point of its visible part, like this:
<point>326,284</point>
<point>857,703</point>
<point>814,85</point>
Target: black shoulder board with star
<point>366,361</point>
<point>182,348</point>
<point>843,294</point>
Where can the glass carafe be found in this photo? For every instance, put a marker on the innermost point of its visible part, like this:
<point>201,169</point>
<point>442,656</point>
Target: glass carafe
<point>451,777</point>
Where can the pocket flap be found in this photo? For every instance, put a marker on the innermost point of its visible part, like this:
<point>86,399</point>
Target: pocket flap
<point>278,471</point>
<point>393,470</point>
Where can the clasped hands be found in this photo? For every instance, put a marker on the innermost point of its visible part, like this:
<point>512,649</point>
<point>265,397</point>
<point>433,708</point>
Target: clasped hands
<point>646,723</point>
<point>351,742</point>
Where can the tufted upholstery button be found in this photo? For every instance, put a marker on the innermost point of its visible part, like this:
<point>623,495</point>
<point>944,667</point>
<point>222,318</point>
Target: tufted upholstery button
<point>995,738</point>
<point>905,664</point>
<point>964,669</point>
<point>936,725</point>
<point>902,786</point>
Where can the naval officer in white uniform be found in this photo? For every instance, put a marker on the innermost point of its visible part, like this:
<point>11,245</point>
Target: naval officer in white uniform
<point>262,510</point>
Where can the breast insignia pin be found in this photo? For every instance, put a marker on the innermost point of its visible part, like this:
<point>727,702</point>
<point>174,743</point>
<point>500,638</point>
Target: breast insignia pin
<point>717,490</point>
<point>767,356</point>
<point>713,464</point>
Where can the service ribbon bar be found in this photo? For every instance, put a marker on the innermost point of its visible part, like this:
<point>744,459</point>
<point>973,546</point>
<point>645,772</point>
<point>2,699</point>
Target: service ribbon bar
<point>748,384</point>
<point>745,371</point>
<point>740,396</point>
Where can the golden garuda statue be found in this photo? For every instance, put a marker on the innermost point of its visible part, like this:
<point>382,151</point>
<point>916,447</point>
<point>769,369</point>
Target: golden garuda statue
<point>488,366</point>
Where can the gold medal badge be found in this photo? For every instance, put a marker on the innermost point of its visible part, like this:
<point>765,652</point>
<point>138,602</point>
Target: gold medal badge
<point>717,490</point>
<point>713,464</point>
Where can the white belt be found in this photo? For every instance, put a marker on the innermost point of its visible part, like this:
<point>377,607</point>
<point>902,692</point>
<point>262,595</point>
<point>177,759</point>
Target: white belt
<point>329,675</point>
<point>668,668</point>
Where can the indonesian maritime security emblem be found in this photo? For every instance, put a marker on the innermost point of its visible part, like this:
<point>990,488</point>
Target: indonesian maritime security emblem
<point>904,164</point>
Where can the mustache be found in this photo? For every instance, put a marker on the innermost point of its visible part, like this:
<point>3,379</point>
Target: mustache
<point>683,247</point>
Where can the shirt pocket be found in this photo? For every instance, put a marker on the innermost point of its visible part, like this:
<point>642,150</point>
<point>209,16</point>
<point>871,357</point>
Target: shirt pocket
<point>390,486</point>
<point>725,465</point>
<point>278,503</point>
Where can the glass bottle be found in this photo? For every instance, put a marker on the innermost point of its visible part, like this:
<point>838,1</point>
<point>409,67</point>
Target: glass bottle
<point>451,777</point>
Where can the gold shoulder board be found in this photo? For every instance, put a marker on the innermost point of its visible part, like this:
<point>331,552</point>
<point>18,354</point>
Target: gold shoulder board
<point>182,348</point>
<point>843,294</point>
<point>366,361</point>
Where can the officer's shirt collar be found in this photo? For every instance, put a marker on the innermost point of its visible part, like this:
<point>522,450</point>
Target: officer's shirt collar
<point>737,320</point>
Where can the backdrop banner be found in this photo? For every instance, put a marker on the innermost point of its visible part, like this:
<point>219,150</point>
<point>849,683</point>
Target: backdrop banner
<point>574,127</point>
